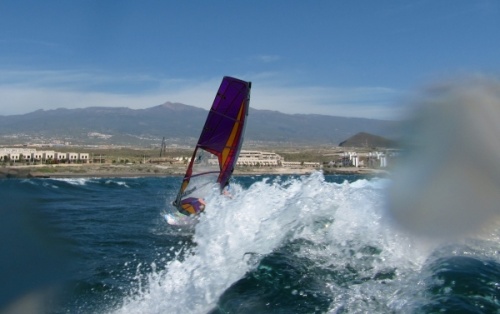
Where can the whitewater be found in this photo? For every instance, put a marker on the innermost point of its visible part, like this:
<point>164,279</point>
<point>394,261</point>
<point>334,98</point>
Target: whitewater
<point>279,244</point>
<point>340,229</point>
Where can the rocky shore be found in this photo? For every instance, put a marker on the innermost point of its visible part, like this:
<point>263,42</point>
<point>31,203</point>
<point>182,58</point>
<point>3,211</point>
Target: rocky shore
<point>142,170</point>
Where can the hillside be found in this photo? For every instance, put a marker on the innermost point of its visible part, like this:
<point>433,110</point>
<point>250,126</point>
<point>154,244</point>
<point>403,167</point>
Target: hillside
<point>180,124</point>
<point>363,139</point>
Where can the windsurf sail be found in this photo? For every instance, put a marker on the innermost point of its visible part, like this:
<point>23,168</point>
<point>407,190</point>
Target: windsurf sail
<point>218,147</point>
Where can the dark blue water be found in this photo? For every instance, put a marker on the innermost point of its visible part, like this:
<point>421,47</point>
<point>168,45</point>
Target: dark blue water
<point>284,244</point>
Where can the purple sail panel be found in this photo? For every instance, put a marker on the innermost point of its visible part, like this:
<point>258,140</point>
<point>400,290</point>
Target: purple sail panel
<point>232,94</point>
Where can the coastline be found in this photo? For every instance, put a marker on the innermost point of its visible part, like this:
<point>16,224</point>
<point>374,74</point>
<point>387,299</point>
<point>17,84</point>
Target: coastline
<point>151,170</point>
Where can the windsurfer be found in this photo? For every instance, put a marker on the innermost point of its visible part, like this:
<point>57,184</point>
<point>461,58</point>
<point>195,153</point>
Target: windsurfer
<point>191,206</point>
<point>225,191</point>
<point>218,147</point>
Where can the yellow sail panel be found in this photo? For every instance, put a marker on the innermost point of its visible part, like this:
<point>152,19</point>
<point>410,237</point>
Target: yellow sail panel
<point>232,137</point>
<point>184,185</point>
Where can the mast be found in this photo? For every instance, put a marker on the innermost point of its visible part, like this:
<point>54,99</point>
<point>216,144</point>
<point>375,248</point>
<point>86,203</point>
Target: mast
<point>163,149</point>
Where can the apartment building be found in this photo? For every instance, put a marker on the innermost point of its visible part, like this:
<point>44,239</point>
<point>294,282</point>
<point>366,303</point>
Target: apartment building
<point>32,155</point>
<point>256,158</point>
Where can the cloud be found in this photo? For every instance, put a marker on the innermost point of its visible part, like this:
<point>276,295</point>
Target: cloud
<point>24,91</point>
<point>366,102</point>
<point>23,100</point>
<point>268,58</point>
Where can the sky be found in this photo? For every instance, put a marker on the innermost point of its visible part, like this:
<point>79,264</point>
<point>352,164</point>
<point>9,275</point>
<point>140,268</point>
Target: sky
<point>335,57</point>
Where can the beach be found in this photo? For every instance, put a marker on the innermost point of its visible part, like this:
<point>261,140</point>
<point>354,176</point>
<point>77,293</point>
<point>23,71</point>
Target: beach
<point>146,170</point>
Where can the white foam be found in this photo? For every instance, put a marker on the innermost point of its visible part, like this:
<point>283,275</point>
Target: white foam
<point>74,181</point>
<point>259,220</point>
<point>120,183</point>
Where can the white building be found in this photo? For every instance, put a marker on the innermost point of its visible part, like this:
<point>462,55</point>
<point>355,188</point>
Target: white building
<point>48,155</point>
<point>72,157</point>
<point>254,158</point>
<point>14,156</point>
<point>24,151</point>
<point>290,164</point>
<point>31,154</point>
<point>37,156</point>
<point>26,157</point>
<point>309,164</point>
<point>351,159</point>
<point>83,157</point>
<point>377,160</point>
<point>383,161</point>
<point>59,156</point>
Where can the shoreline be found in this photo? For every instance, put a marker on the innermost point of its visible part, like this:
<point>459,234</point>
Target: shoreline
<point>148,170</point>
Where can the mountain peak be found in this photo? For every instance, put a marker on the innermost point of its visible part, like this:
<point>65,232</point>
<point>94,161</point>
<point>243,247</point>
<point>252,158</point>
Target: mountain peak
<point>364,139</point>
<point>175,106</point>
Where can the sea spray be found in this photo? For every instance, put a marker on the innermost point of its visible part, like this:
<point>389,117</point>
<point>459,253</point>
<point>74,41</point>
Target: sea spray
<point>341,231</point>
<point>247,222</point>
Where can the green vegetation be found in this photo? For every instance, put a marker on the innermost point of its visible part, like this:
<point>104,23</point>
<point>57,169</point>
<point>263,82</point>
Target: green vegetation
<point>47,170</point>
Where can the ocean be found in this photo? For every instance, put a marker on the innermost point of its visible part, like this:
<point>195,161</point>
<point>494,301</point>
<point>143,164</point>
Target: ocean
<point>280,244</point>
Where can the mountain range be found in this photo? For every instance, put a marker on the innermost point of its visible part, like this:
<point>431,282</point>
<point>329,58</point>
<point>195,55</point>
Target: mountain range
<point>179,123</point>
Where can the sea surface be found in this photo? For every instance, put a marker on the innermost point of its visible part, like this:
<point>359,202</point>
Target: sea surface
<point>280,244</point>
